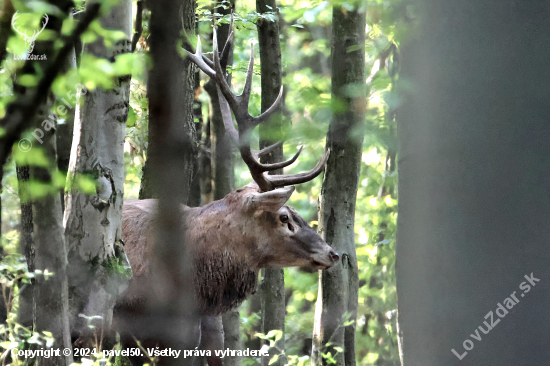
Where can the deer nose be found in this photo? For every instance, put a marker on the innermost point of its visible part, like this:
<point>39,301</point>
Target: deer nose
<point>334,256</point>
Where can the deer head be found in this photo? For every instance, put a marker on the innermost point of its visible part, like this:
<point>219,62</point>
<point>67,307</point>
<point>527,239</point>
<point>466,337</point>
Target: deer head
<point>283,237</point>
<point>29,40</point>
<point>261,229</point>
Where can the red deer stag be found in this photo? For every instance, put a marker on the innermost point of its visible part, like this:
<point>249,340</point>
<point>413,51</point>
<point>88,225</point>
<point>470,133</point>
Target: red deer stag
<point>233,238</point>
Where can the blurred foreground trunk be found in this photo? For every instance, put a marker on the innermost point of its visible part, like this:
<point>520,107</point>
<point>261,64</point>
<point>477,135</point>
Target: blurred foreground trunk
<point>171,91</point>
<point>473,279</point>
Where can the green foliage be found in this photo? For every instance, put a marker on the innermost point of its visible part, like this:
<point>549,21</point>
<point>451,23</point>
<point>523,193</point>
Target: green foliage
<point>306,62</point>
<point>305,41</point>
<point>14,276</point>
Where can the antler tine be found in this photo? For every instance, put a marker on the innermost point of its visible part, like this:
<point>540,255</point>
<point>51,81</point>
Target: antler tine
<point>267,114</point>
<point>226,50</point>
<point>247,90</point>
<point>225,88</point>
<point>267,150</point>
<point>208,62</point>
<point>198,59</point>
<point>229,102</point>
<point>291,179</point>
<point>253,163</point>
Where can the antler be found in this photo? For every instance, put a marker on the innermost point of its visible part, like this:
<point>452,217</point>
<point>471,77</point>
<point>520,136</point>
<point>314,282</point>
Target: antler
<point>238,104</point>
<point>35,32</point>
<point>16,28</point>
<point>46,18</point>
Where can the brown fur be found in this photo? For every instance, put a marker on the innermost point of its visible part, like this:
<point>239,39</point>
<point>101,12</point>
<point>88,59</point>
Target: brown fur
<point>229,244</point>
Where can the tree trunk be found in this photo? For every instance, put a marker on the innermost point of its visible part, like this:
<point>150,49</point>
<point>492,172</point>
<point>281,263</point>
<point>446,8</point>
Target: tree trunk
<point>206,164</point>
<point>44,306</point>
<point>474,202</point>
<point>171,121</point>
<point>273,282</point>
<point>338,286</point>
<point>93,221</point>
<point>195,195</point>
<point>27,311</point>
<point>185,128</point>
<point>51,294</point>
<point>224,177</point>
<point>222,151</point>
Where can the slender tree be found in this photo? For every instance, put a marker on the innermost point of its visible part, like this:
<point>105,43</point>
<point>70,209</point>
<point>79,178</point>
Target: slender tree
<point>336,307</point>
<point>186,128</point>
<point>224,177</point>
<point>171,121</point>
<point>51,294</point>
<point>27,301</point>
<point>224,180</point>
<point>273,281</point>
<point>93,221</point>
<point>46,301</point>
<point>46,251</point>
<point>472,259</point>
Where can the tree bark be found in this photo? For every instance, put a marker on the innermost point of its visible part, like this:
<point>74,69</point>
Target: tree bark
<point>51,294</point>
<point>273,282</point>
<point>195,195</point>
<point>473,194</point>
<point>207,190</point>
<point>185,128</point>
<point>27,311</point>
<point>46,301</point>
<point>338,286</point>
<point>224,177</point>
<point>171,121</point>
<point>93,221</point>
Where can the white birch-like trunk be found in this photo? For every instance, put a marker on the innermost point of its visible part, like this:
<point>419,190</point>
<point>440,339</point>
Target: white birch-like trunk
<point>93,221</point>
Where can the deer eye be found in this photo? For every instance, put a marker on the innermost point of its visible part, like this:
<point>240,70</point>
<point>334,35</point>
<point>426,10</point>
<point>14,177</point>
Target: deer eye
<point>284,219</point>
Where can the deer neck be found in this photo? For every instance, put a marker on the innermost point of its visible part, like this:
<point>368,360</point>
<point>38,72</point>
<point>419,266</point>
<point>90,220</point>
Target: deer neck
<point>226,262</point>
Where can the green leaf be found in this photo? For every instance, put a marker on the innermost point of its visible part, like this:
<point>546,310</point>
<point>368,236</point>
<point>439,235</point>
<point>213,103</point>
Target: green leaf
<point>27,80</point>
<point>132,117</point>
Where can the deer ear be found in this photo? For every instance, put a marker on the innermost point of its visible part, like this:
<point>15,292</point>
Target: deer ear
<point>270,201</point>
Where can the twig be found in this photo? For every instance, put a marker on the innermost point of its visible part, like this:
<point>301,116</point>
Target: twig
<point>22,111</point>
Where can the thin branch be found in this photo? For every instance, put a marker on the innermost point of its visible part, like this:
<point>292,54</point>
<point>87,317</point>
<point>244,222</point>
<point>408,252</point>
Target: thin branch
<point>21,112</point>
